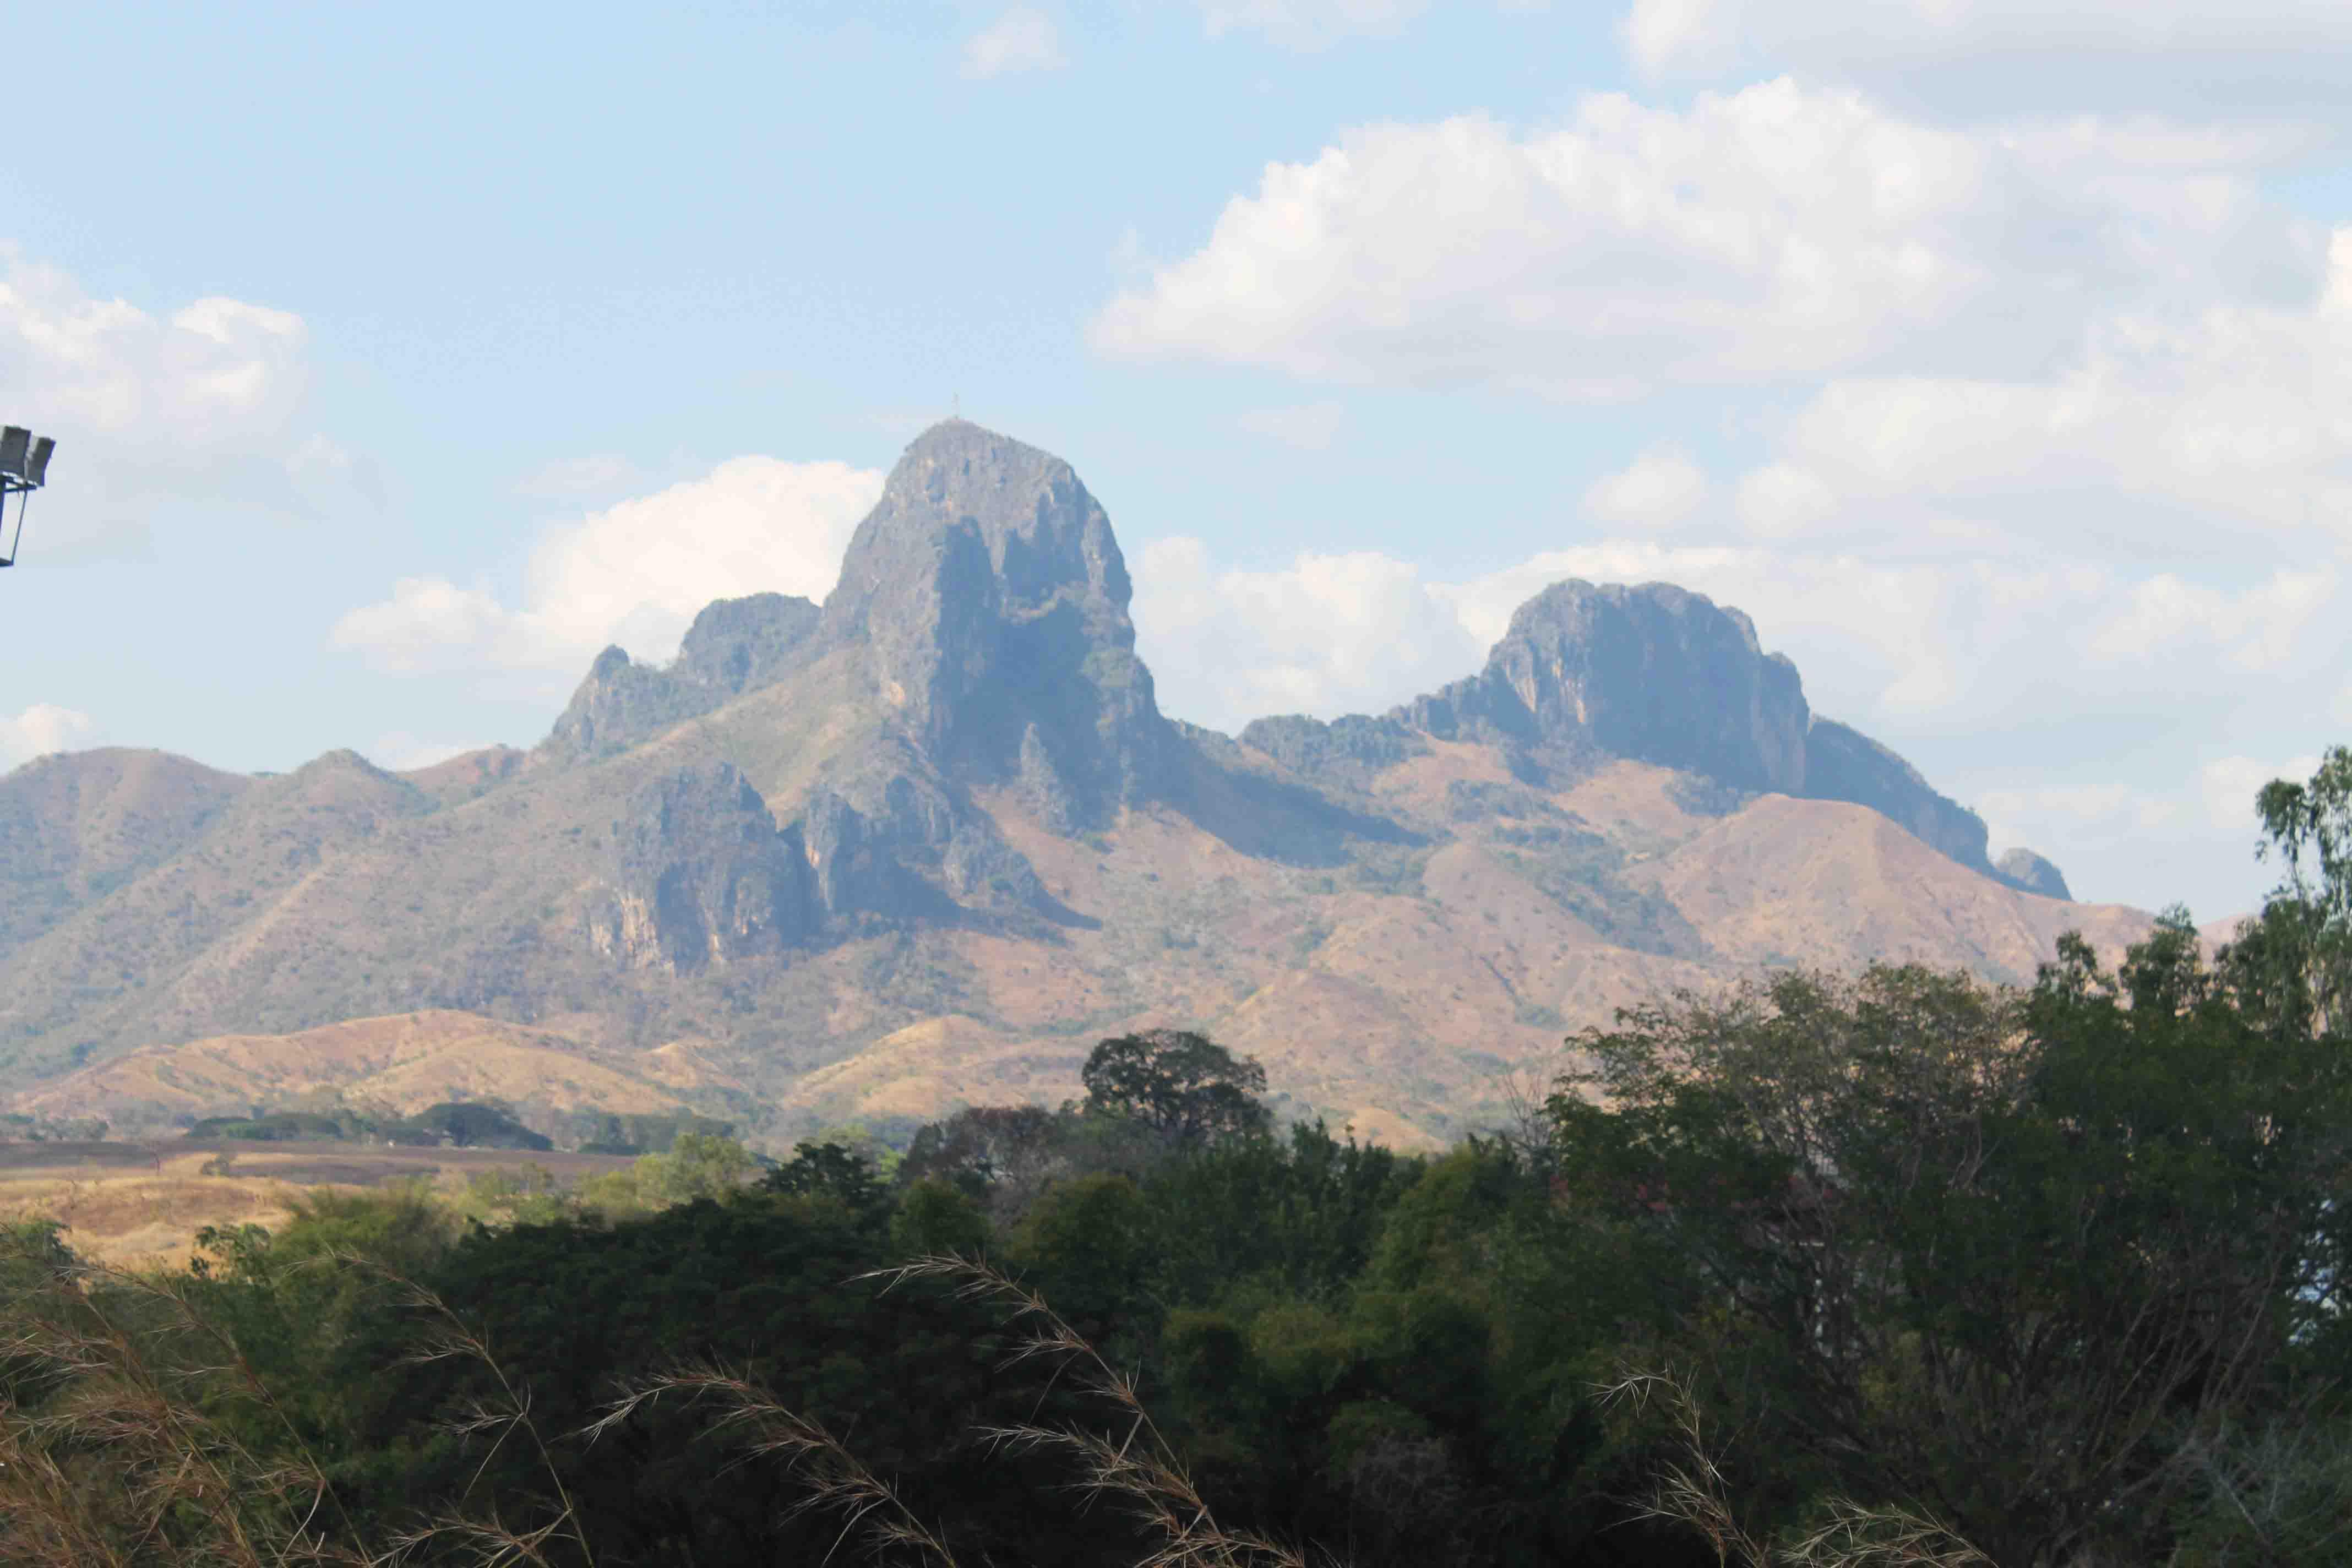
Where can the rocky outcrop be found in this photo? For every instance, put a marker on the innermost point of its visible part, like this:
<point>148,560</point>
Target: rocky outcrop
<point>986,599</point>
<point>740,644</point>
<point>734,646</point>
<point>1655,673</point>
<point>2029,873</point>
<point>701,876</point>
<point>1843,763</point>
<point>1661,675</point>
<point>620,704</point>
<point>991,601</point>
<point>1350,748</point>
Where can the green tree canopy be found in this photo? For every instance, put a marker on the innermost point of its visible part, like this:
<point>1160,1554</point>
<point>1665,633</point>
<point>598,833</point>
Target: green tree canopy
<point>1182,1084</point>
<point>2013,1257</point>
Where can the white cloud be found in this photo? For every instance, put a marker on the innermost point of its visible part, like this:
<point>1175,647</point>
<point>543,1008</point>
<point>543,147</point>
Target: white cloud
<point>1781,499</point>
<point>1310,426</point>
<point>41,729</point>
<point>203,404</point>
<point>2000,51</point>
<point>1023,39</point>
<point>1309,25</point>
<point>1661,486</point>
<point>636,574</point>
<point>2160,435</point>
<point>2228,786</point>
<point>1325,635</point>
<point>2254,630</point>
<point>1782,232</point>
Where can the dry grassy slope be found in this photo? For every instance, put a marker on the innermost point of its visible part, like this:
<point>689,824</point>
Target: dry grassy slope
<point>403,1063</point>
<point>73,827</point>
<point>340,890</point>
<point>1823,883</point>
<point>1400,1008</point>
<point>469,775</point>
<point>1390,987</point>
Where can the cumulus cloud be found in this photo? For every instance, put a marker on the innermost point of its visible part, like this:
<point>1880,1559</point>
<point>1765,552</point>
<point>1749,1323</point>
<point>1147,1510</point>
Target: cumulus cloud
<point>204,403</point>
<point>2185,436</point>
<point>2255,55</point>
<point>1780,233</point>
<point>1662,485</point>
<point>41,729</point>
<point>1324,635</point>
<point>2229,785</point>
<point>1023,39</point>
<point>635,573</point>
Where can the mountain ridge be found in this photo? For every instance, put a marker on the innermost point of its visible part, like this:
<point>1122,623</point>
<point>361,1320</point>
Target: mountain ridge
<point>820,827</point>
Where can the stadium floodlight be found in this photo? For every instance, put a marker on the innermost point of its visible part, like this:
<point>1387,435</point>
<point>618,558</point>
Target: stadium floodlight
<point>23,468</point>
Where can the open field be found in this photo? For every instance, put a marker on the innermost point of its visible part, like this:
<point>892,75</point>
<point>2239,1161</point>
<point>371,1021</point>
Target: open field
<point>140,1205</point>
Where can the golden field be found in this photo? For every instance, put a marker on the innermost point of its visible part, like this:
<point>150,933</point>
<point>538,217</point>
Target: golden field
<point>140,1205</point>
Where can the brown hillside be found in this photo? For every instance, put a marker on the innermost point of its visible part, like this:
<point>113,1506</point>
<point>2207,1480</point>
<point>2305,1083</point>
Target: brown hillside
<point>922,846</point>
<point>403,1063</point>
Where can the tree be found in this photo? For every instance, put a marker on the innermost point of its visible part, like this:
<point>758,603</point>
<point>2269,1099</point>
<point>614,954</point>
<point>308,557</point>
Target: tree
<point>1183,1085</point>
<point>832,1170</point>
<point>2013,1258</point>
<point>2298,955</point>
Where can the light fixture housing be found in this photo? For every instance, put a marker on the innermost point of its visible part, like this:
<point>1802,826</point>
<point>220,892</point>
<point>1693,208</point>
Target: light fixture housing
<point>23,468</point>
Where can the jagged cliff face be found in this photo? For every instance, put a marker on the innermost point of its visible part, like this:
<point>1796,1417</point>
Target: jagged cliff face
<point>991,598</point>
<point>2029,873</point>
<point>701,875</point>
<point>734,646</point>
<point>1654,673</point>
<point>985,599</point>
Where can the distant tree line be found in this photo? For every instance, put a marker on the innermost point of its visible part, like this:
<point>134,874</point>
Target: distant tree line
<point>1896,1267</point>
<point>463,1124</point>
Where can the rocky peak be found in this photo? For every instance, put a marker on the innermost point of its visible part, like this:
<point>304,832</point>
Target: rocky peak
<point>2024,869</point>
<point>1655,672</point>
<point>739,645</point>
<point>619,704</point>
<point>1663,675</point>
<point>734,646</point>
<point>990,595</point>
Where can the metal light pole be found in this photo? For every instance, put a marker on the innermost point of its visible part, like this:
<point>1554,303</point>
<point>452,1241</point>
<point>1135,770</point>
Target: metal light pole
<point>23,468</point>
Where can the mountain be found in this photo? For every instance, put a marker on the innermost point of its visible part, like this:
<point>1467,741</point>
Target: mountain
<point>924,844</point>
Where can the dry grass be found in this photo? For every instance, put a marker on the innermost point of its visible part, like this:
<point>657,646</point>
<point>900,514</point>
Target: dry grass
<point>1692,1491</point>
<point>753,1417</point>
<point>135,1214</point>
<point>1129,1463</point>
<point>126,1465</point>
<point>139,1206</point>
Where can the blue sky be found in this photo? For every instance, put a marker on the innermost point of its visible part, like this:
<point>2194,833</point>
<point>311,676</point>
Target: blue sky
<point>1997,358</point>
